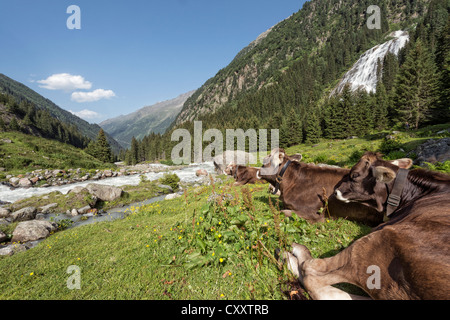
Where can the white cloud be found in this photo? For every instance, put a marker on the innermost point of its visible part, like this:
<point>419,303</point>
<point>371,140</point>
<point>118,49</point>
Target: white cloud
<point>86,114</point>
<point>92,96</point>
<point>66,82</point>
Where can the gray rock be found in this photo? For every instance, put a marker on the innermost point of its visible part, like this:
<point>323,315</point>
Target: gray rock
<point>11,249</point>
<point>74,212</point>
<point>433,151</point>
<point>33,230</point>
<point>3,237</point>
<point>78,189</point>
<point>24,214</point>
<point>105,193</point>
<point>172,196</point>
<point>14,181</point>
<point>84,210</point>
<point>55,172</point>
<point>108,173</point>
<point>4,213</point>
<point>47,208</point>
<point>201,172</point>
<point>40,216</point>
<point>4,221</point>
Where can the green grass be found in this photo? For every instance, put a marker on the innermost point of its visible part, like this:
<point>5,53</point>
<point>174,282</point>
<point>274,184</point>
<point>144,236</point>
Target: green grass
<point>346,153</point>
<point>155,252</point>
<point>27,153</point>
<point>193,247</point>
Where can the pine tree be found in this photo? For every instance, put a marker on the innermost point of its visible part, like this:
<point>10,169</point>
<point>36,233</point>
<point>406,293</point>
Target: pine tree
<point>334,119</point>
<point>14,125</point>
<point>134,152</point>
<point>389,71</point>
<point>293,129</point>
<point>91,149</point>
<point>313,130</point>
<point>416,86</point>
<point>2,124</point>
<point>380,107</point>
<point>442,113</point>
<point>104,152</point>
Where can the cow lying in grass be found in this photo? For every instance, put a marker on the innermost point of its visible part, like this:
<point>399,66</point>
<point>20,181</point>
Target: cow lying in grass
<point>307,188</point>
<point>249,175</point>
<point>407,257</point>
<point>242,174</point>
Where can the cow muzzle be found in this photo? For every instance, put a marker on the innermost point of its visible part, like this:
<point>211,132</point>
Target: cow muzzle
<point>340,197</point>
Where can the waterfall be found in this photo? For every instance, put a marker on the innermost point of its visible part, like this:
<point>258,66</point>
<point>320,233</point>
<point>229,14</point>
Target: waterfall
<point>363,74</point>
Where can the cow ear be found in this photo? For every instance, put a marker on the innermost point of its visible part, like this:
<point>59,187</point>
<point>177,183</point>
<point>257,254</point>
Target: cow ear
<point>383,174</point>
<point>281,156</point>
<point>297,157</point>
<point>404,163</point>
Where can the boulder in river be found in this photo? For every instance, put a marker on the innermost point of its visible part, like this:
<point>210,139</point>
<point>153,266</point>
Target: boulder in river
<point>201,172</point>
<point>25,183</point>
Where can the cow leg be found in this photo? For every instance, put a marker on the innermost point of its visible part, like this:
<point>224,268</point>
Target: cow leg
<point>318,275</point>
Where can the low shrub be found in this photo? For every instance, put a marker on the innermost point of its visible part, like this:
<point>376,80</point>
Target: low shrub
<point>170,180</point>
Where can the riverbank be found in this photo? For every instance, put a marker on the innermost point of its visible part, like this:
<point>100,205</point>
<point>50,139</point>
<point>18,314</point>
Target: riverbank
<point>83,204</point>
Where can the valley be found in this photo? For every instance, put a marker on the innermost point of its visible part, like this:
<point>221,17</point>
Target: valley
<point>111,199</point>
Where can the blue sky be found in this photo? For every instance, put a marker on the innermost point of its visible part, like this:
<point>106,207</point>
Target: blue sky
<point>127,54</point>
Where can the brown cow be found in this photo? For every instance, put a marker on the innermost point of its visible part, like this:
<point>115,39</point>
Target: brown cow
<point>302,189</point>
<point>242,174</point>
<point>249,175</point>
<point>408,257</point>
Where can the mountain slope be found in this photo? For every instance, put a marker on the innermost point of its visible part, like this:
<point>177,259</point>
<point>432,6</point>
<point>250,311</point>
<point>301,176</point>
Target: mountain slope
<point>324,30</point>
<point>152,119</point>
<point>284,79</point>
<point>21,92</point>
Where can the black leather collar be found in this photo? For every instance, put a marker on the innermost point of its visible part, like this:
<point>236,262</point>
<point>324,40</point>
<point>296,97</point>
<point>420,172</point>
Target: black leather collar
<point>395,195</point>
<point>235,172</point>
<point>279,177</point>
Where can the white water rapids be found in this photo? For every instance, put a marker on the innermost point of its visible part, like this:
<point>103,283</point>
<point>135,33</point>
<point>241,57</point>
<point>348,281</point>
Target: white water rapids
<point>363,74</point>
<point>186,175</point>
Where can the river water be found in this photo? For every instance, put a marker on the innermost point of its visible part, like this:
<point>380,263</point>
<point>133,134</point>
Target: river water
<point>186,175</point>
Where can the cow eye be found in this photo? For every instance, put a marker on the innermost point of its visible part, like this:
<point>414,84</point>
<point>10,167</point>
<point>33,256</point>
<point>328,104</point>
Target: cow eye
<point>355,175</point>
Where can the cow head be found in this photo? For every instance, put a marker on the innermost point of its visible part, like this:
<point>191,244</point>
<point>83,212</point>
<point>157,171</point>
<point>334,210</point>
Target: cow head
<point>368,180</point>
<point>229,169</point>
<point>273,163</point>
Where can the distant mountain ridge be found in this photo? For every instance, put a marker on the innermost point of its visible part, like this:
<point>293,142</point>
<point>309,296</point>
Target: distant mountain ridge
<point>22,92</point>
<point>151,119</point>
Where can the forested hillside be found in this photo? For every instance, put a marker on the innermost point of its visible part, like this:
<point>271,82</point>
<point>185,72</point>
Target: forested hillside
<point>23,94</point>
<point>283,81</point>
<point>29,119</point>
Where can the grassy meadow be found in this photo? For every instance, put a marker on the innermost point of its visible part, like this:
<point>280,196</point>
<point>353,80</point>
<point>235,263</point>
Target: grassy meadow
<point>216,242</point>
